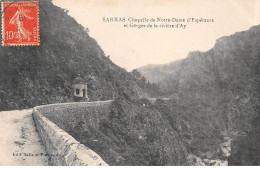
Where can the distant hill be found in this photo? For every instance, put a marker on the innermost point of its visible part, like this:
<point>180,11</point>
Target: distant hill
<point>163,75</point>
<point>221,88</point>
<point>36,75</point>
<point>159,73</point>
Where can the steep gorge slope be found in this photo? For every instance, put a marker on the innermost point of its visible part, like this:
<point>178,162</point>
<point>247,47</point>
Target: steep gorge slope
<point>135,133</point>
<point>35,75</point>
<point>220,88</point>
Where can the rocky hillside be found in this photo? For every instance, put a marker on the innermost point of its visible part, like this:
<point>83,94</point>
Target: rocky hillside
<point>221,88</point>
<point>36,75</point>
<point>135,133</point>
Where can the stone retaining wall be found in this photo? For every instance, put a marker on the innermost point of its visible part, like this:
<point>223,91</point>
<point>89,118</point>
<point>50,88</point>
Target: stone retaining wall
<point>69,115</point>
<point>63,149</point>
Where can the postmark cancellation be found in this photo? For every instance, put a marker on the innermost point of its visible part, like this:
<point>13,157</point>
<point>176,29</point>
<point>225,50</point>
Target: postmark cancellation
<point>20,23</point>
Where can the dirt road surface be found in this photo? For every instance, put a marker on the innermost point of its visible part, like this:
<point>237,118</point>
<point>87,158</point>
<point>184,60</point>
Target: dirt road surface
<point>20,144</point>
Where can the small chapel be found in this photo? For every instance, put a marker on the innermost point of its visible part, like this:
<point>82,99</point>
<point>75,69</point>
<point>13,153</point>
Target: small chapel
<point>79,89</point>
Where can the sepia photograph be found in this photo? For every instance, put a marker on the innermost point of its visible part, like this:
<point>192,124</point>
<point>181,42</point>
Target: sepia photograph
<point>130,83</point>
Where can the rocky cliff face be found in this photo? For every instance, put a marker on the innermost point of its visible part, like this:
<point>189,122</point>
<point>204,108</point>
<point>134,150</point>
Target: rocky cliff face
<point>35,75</point>
<point>220,88</point>
<point>226,76</point>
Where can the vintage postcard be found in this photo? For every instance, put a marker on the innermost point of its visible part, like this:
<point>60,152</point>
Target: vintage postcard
<point>130,83</point>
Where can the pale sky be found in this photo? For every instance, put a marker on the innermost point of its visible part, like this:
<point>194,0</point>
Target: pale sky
<point>132,47</point>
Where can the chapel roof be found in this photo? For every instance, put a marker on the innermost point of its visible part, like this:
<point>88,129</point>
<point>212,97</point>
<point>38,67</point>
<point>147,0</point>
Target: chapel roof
<point>78,80</point>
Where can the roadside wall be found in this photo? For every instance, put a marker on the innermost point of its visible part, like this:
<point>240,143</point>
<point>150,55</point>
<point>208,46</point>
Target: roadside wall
<point>62,148</point>
<point>68,115</point>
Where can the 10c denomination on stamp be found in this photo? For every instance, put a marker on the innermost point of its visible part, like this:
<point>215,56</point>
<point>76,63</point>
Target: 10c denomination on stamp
<point>20,23</point>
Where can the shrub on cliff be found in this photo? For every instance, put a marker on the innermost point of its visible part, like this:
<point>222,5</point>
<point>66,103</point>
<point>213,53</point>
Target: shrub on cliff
<point>134,134</point>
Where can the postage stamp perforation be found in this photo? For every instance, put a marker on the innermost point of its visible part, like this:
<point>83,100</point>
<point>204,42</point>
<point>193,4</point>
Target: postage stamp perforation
<point>22,25</point>
<point>2,16</point>
<point>38,25</point>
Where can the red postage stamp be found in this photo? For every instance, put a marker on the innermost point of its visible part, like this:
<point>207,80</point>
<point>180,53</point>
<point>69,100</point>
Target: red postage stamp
<point>20,24</point>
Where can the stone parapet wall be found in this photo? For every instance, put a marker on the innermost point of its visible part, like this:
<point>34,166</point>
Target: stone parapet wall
<point>63,149</point>
<point>69,115</point>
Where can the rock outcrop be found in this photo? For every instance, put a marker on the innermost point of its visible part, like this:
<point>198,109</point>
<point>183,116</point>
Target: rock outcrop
<point>220,89</point>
